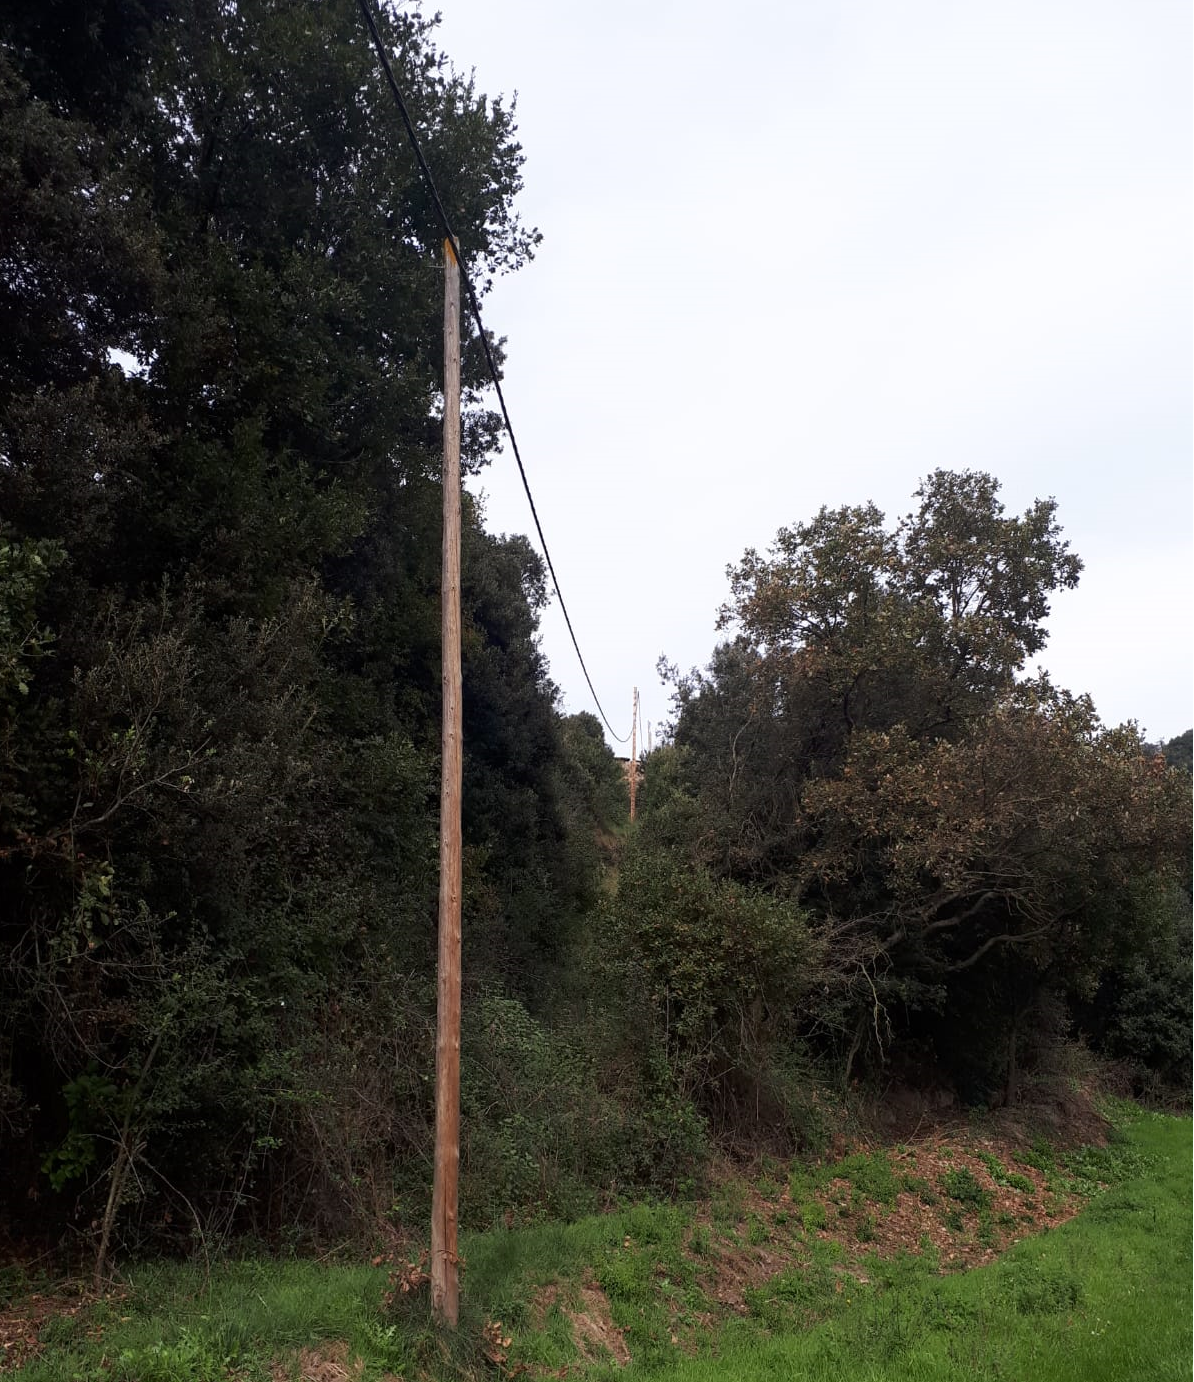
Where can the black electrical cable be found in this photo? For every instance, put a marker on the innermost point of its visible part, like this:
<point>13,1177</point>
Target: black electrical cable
<point>493,371</point>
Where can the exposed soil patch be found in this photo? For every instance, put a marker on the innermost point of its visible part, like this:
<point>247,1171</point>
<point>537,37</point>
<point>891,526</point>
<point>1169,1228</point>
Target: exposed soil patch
<point>593,1327</point>
<point>21,1322</point>
<point>542,1301</point>
<point>962,1234</point>
<point>327,1363</point>
<point>734,1270</point>
<point>1001,1200</point>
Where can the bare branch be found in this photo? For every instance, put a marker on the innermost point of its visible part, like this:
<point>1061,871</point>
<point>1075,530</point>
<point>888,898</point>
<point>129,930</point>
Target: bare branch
<point>994,941</point>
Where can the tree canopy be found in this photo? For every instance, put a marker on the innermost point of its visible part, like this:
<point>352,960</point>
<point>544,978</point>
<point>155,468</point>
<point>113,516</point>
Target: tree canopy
<point>967,839</point>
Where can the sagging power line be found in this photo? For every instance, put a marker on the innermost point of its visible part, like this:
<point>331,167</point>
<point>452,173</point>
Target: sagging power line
<point>475,309</point>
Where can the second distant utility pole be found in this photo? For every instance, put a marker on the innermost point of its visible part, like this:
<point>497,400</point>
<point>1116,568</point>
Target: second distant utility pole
<point>634,753</point>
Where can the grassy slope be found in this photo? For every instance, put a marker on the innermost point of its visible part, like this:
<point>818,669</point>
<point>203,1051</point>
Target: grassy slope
<point>1105,1296</point>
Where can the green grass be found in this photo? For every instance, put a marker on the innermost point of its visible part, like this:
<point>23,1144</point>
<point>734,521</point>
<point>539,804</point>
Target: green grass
<point>176,1325</point>
<point>869,1174</point>
<point>1104,1298</point>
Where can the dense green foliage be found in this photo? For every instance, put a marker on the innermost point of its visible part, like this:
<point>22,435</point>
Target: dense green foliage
<point>220,327</point>
<point>1178,752</point>
<point>725,970</point>
<point>974,853</point>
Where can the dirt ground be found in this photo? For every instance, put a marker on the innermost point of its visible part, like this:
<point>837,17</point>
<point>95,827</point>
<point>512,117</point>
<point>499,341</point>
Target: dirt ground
<point>22,1320</point>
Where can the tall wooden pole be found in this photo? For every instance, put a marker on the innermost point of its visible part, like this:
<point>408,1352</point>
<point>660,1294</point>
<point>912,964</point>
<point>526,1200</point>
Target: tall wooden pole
<point>445,1276</point>
<point>634,753</point>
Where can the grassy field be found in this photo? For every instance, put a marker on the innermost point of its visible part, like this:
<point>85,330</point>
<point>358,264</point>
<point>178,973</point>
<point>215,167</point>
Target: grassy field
<point>772,1280</point>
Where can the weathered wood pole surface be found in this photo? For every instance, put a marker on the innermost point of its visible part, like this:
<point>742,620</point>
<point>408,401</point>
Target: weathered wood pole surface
<point>445,1276</point>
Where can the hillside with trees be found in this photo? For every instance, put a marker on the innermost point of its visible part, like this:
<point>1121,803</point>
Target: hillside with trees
<point>872,850</point>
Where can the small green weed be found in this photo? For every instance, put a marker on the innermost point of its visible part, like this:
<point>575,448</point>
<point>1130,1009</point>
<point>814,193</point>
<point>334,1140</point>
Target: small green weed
<point>870,1175</point>
<point>827,1250</point>
<point>1002,1176</point>
<point>961,1185</point>
<point>190,1358</point>
<point>798,1297</point>
<point>1040,1157</point>
<point>16,1280</point>
<point>1093,1168</point>
<point>924,1192</point>
<point>985,1233</point>
<point>813,1216</point>
<point>728,1206</point>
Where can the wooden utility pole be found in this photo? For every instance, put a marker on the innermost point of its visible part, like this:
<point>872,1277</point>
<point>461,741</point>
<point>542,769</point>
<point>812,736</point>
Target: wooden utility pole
<point>634,753</point>
<point>445,1275</point>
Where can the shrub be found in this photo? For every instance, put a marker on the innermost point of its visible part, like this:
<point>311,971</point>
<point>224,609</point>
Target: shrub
<point>552,1123</point>
<point>723,968</point>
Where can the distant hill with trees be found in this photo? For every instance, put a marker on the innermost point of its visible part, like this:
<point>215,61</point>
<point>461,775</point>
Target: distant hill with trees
<point>1178,752</point>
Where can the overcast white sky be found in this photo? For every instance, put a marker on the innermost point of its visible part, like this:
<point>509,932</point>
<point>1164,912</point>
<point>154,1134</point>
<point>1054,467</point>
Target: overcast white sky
<point>804,253</point>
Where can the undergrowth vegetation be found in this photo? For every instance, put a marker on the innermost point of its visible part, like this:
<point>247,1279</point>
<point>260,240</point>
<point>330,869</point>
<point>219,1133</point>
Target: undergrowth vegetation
<point>1105,1297</point>
<point>741,1286</point>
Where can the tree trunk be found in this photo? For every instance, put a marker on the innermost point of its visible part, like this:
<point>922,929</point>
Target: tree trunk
<point>855,1045</point>
<point>120,1170</point>
<point>1011,1089</point>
